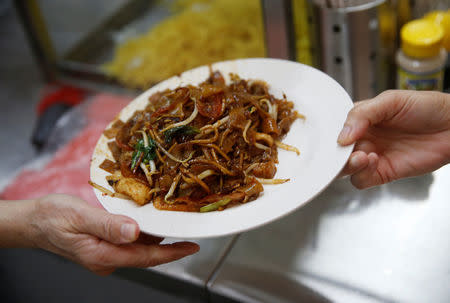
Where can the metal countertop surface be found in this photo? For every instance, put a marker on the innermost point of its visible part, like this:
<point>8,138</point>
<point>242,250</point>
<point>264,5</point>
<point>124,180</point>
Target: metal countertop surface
<point>385,244</point>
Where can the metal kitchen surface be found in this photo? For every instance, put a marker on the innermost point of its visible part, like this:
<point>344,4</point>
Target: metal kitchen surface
<point>385,244</point>
<point>187,277</point>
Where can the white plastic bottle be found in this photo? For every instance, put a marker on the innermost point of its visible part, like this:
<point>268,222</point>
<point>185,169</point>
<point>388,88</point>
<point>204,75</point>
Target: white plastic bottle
<point>421,59</point>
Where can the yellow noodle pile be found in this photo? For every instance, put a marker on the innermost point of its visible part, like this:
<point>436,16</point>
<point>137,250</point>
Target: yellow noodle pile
<point>203,32</point>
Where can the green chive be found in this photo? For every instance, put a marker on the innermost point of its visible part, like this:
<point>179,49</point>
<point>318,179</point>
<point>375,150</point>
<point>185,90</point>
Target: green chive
<point>135,158</point>
<point>215,205</point>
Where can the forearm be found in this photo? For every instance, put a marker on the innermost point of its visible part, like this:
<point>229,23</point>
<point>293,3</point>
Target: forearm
<point>15,223</point>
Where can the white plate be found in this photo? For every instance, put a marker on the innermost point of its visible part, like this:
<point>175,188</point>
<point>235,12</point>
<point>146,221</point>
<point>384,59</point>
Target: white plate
<point>320,98</point>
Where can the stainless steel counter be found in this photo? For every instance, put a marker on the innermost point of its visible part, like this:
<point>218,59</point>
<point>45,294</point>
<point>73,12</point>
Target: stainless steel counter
<point>187,277</point>
<point>386,244</point>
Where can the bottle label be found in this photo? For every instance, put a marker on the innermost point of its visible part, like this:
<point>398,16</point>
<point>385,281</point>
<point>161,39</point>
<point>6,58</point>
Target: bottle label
<point>412,81</point>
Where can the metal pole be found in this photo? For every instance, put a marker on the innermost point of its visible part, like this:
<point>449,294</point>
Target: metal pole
<point>279,29</point>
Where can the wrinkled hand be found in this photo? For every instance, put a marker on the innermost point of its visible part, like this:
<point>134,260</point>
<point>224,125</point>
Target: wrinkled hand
<point>96,239</point>
<point>398,134</point>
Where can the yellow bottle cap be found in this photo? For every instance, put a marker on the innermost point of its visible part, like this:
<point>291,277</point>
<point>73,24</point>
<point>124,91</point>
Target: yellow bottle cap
<point>421,38</point>
<point>443,19</point>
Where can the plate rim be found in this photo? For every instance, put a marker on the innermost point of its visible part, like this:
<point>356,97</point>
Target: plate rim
<point>156,87</point>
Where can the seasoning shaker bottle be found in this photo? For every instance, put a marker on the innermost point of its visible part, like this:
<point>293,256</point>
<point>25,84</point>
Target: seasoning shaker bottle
<point>421,58</point>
